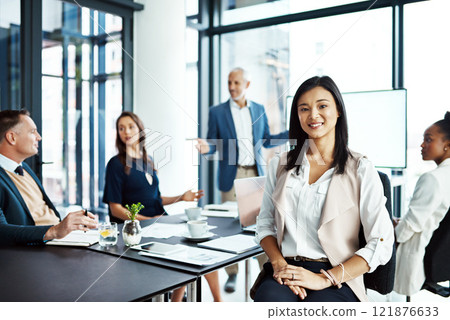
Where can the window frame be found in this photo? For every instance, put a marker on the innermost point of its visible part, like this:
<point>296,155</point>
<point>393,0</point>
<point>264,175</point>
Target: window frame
<point>31,66</point>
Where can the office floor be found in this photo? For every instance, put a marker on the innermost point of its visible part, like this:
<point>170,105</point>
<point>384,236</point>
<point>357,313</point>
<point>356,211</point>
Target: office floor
<point>239,294</point>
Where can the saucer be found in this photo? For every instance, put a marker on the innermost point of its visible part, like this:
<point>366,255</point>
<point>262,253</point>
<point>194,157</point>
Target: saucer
<point>185,218</point>
<point>206,236</point>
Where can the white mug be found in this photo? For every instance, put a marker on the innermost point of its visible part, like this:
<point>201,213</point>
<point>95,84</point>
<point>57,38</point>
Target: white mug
<point>197,228</point>
<point>193,213</point>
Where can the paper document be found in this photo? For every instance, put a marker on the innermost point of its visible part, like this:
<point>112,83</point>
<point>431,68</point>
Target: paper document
<point>226,206</point>
<point>166,230</point>
<point>226,210</point>
<point>235,244</point>
<point>220,214</point>
<point>193,255</point>
<point>163,230</point>
<point>77,238</point>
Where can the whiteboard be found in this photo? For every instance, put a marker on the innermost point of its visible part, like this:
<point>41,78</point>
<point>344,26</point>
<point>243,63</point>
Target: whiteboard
<point>376,125</point>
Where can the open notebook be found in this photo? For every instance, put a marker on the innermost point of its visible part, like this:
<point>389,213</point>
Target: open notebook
<point>76,238</point>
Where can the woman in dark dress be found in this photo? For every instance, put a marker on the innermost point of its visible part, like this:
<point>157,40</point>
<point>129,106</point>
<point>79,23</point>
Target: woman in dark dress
<point>131,178</point>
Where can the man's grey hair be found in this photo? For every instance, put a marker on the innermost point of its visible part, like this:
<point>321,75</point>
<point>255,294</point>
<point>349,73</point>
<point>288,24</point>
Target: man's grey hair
<point>245,73</point>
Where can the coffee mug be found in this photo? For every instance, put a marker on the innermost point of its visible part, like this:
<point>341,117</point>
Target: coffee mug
<point>197,228</point>
<point>193,213</point>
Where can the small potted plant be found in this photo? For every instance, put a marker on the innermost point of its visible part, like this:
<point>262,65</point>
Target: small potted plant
<point>131,231</point>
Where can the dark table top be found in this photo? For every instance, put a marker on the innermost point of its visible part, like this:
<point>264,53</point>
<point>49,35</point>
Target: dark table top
<point>225,227</point>
<point>50,273</point>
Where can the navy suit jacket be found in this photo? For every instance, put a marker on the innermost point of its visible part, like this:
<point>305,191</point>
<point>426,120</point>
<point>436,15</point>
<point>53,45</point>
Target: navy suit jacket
<point>16,223</point>
<point>222,137</point>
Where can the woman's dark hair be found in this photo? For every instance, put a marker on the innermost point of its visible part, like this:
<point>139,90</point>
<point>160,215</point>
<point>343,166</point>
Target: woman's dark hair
<point>9,119</point>
<point>122,148</point>
<point>296,133</point>
<point>444,125</point>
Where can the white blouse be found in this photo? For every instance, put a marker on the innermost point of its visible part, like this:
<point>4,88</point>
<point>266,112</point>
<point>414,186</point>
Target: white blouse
<point>304,207</point>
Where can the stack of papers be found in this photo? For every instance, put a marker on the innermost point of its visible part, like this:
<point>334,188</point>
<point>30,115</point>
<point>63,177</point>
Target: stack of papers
<point>227,210</point>
<point>166,230</point>
<point>235,244</point>
<point>77,238</point>
<point>163,230</point>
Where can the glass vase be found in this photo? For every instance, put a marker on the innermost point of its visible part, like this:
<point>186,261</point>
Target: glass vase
<point>131,232</point>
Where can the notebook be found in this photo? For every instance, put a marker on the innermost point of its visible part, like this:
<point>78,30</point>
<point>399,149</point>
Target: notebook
<point>249,195</point>
<point>76,238</point>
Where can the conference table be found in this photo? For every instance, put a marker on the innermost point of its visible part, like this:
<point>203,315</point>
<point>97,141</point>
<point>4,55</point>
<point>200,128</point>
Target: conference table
<point>69,274</point>
<point>57,273</point>
<point>225,227</point>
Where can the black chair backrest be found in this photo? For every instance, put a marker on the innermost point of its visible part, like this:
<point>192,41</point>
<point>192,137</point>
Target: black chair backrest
<point>382,279</point>
<point>437,256</point>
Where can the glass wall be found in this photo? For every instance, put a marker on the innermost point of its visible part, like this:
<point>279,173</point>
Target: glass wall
<point>427,66</point>
<point>279,58</point>
<point>81,98</point>
<point>191,101</point>
<point>9,54</point>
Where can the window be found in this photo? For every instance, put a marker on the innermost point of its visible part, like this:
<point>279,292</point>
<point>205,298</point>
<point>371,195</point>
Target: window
<point>9,54</point>
<point>191,101</point>
<point>427,66</point>
<point>81,99</point>
<point>279,58</point>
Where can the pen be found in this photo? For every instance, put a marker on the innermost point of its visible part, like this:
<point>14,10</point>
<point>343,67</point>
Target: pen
<point>85,213</point>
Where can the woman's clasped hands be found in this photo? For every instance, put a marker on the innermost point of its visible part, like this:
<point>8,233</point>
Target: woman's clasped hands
<point>299,279</point>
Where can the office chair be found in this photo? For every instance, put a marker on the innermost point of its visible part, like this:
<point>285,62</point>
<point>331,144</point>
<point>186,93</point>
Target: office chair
<point>382,279</point>
<point>437,259</point>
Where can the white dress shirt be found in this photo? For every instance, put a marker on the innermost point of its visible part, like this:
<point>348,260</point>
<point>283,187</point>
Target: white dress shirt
<point>305,203</point>
<point>8,164</point>
<point>244,134</point>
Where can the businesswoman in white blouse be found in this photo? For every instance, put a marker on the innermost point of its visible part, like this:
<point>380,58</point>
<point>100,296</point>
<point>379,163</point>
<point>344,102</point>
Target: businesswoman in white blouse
<point>317,196</point>
<point>427,208</point>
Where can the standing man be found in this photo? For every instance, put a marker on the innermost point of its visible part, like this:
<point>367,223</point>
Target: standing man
<point>238,129</point>
<point>27,216</point>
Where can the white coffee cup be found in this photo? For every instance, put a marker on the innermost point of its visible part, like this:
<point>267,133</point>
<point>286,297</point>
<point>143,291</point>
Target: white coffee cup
<point>193,213</point>
<point>197,228</point>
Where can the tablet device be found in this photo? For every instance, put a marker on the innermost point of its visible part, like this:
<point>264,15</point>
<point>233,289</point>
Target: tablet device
<point>158,248</point>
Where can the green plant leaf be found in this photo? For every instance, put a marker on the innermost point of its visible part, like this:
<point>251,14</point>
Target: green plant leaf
<point>133,210</point>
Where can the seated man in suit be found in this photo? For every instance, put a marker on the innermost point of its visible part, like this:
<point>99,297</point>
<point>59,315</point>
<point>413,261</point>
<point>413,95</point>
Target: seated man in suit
<point>27,216</point>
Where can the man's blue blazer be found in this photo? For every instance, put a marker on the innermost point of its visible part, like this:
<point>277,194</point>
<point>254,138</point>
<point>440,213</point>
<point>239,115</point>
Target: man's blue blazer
<point>222,137</point>
<point>16,223</point>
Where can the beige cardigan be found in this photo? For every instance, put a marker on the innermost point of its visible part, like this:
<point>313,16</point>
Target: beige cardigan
<point>340,221</point>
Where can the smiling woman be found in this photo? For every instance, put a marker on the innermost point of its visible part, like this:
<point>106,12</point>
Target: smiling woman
<point>312,245</point>
<point>318,114</point>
